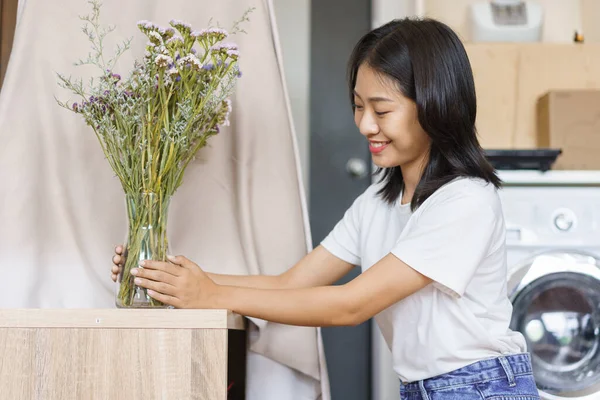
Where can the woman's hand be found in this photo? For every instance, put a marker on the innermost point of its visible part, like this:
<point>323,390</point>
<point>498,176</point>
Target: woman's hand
<point>117,263</point>
<point>179,283</point>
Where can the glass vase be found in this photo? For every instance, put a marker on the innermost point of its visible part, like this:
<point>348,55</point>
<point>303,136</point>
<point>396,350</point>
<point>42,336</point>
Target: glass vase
<point>147,215</point>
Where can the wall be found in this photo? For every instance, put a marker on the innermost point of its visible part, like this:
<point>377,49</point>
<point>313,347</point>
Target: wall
<point>561,19</point>
<point>293,21</point>
<point>510,78</point>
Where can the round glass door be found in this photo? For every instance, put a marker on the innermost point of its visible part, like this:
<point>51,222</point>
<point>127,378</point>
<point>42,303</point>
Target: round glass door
<point>557,309</point>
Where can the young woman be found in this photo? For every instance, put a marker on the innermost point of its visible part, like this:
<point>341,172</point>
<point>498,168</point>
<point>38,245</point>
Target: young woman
<point>430,235</point>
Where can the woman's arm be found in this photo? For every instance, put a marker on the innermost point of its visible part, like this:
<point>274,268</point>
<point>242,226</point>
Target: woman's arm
<point>184,285</point>
<point>317,268</point>
<point>385,283</point>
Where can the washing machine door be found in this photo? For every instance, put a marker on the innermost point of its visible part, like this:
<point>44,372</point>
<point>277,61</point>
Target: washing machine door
<point>556,303</point>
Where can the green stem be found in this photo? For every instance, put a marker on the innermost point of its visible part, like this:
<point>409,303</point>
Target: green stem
<point>146,239</point>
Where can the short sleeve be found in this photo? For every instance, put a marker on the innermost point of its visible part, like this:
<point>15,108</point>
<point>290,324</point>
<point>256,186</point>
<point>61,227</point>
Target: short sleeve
<point>449,240</point>
<point>344,240</point>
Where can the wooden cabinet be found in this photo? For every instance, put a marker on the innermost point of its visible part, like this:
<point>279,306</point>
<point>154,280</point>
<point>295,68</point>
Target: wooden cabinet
<point>72,354</point>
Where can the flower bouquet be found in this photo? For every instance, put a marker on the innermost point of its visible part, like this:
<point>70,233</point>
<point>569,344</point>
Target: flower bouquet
<point>151,124</point>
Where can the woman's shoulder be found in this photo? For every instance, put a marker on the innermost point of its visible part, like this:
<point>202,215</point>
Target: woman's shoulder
<point>370,200</point>
<point>467,192</point>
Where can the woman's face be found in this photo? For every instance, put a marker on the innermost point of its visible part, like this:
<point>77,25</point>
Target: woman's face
<point>389,122</point>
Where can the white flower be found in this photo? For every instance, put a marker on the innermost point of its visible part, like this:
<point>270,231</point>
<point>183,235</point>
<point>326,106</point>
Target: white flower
<point>163,61</point>
<point>175,40</point>
<point>224,46</point>
<point>180,25</point>
<point>216,32</point>
<point>190,59</point>
<point>155,37</point>
<point>173,71</point>
<point>146,25</point>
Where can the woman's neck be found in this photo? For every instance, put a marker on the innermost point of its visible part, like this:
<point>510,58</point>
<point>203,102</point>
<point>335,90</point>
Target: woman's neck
<point>411,175</point>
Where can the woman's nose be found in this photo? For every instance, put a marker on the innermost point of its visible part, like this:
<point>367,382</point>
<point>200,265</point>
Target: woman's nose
<point>367,125</point>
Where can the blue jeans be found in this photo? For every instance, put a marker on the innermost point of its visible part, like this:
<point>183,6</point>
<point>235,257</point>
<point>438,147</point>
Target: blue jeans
<point>503,378</point>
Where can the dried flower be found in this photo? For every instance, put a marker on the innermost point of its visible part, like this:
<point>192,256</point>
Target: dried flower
<point>163,61</point>
<point>184,28</point>
<point>152,123</point>
<point>215,34</point>
<point>174,42</point>
<point>155,38</point>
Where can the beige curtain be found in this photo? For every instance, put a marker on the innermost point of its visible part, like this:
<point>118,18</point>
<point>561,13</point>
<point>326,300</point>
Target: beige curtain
<point>240,210</point>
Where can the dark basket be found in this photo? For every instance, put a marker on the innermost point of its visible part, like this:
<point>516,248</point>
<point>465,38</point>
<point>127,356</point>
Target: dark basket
<point>534,159</point>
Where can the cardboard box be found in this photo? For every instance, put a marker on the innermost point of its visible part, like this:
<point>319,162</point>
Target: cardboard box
<point>570,120</point>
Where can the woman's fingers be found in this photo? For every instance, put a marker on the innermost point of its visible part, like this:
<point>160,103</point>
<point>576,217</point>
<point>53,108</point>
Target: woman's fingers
<point>154,275</point>
<point>163,298</point>
<point>160,287</point>
<point>167,267</point>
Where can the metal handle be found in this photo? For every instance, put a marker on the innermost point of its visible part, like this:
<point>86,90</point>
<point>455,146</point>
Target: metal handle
<point>357,168</point>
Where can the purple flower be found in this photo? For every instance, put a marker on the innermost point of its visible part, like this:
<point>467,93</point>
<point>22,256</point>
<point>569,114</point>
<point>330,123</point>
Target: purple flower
<point>217,129</point>
<point>208,67</point>
<point>239,73</point>
<point>106,92</point>
<point>116,76</point>
<point>75,106</point>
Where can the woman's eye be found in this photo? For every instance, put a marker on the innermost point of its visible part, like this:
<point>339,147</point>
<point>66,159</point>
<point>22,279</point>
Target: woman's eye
<point>357,107</point>
<point>382,113</point>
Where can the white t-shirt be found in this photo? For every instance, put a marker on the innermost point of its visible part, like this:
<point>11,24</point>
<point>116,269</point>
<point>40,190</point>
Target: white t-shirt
<point>456,238</point>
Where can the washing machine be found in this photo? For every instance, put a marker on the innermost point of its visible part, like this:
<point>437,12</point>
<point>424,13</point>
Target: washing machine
<point>553,252</point>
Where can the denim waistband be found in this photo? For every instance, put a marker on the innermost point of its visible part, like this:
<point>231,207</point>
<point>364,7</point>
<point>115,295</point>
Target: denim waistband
<point>485,370</point>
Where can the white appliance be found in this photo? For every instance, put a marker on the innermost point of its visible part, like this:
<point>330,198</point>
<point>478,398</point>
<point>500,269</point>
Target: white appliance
<point>553,251</point>
<point>506,21</point>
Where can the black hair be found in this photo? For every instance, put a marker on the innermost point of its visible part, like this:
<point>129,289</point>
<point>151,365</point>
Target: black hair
<point>431,67</point>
